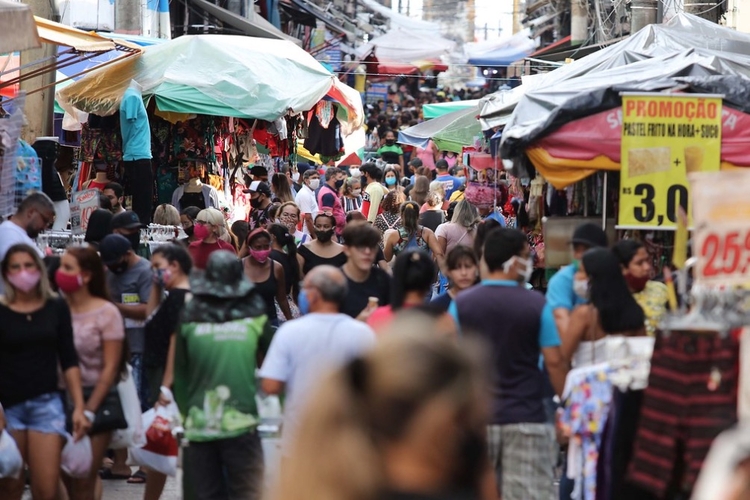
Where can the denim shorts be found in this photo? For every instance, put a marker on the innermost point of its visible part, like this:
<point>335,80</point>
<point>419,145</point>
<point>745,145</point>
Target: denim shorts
<point>43,414</point>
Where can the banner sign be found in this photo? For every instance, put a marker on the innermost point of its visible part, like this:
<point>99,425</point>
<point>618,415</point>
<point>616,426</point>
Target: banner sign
<point>664,138</point>
<point>721,234</point>
<point>82,205</point>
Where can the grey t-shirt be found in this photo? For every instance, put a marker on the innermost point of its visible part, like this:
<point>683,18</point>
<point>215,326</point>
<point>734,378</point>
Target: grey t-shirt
<point>132,287</point>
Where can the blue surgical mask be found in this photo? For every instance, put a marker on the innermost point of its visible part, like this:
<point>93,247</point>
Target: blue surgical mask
<point>390,181</point>
<point>304,305</point>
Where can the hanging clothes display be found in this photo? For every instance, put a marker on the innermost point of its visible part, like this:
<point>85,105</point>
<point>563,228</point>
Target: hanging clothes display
<point>691,398</point>
<point>324,131</point>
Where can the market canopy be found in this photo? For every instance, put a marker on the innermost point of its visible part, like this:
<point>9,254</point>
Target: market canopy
<point>450,132</point>
<point>430,111</point>
<point>17,26</point>
<point>406,47</point>
<point>503,52</point>
<point>218,75</point>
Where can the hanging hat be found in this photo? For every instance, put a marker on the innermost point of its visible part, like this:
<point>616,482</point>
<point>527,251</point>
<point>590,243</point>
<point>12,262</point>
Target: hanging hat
<point>223,278</point>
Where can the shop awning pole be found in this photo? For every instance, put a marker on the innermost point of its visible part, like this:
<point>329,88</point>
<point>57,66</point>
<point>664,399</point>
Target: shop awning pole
<point>604,201</point>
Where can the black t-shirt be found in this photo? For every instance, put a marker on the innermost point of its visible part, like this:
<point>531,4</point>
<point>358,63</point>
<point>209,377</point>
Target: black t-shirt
<point>432,219</point>
<point>378,284</point>
<point>31,346</point>
<point>160,326</point>
<point>286,262</point>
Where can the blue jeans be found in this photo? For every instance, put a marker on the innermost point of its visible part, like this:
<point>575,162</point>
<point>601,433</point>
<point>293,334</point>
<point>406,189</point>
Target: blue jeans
<point>139,378</point>
<point>43,413</point>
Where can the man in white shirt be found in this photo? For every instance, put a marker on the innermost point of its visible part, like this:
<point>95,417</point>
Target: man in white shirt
<point>304,348</point>
<point>35,214</point>
<point>305,200</point>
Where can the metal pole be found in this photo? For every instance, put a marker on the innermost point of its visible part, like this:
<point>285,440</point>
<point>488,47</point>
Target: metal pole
<point>604,202</point>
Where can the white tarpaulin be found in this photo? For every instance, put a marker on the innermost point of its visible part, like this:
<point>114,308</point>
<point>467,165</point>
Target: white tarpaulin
<point>406,47</point>
<point>399,20</point>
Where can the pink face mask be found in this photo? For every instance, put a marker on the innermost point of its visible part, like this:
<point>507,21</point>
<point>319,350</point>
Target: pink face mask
<point>260,255</point>
<point>25,280</point>
<point>201,231</point>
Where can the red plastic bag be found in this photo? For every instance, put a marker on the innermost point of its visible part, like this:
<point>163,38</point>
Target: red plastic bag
<point>160,451</point>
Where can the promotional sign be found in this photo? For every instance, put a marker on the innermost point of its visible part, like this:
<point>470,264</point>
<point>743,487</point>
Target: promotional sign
<point>377,92</point>
<point>721,234</point>
<point>664,138</point>
<point>82,205</point>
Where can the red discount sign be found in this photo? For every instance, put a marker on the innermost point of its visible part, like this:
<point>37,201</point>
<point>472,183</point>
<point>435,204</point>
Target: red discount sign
<point>721,219</point>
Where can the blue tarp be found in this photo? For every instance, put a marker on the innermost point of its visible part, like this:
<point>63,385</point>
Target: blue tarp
<point>500,57</point>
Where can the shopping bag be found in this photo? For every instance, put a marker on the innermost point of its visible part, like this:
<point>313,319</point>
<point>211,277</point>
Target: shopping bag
<point>134,436</point>
<point>11,462</point>
<point>77,457</point>
<point>160,451</point>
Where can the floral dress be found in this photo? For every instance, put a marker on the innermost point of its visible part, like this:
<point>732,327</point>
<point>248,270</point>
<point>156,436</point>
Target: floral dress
<point>653,300</point>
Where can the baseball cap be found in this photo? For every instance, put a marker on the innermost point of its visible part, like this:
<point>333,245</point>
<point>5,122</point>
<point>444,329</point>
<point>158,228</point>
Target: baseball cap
<point>259,171</point>
<point>303,167</point>
<point>114,247</point>
<point>259,187</point>
<point>126,220</point>
<point>590,235</point>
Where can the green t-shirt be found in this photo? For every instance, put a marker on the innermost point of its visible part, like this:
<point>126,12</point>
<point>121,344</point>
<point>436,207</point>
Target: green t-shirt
<point>214,377</point>
<point>390,154</point>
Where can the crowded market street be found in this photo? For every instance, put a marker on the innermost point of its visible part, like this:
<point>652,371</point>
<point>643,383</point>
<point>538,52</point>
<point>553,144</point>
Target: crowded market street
<point>374,250</point>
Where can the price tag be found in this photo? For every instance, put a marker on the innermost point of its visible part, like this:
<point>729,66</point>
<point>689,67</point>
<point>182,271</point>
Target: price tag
<point>665,137</point>
<point>82,205</point>
<point>721,237</point>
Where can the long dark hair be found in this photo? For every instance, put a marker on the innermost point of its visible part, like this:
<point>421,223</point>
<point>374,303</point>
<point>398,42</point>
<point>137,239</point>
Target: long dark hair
<point>625,251</point>
<point>410,216</point>
<point>287,242</point>
<point>88,260</point>
<point>618,310</point>
<point>483,229</point>
<point>413,271</point>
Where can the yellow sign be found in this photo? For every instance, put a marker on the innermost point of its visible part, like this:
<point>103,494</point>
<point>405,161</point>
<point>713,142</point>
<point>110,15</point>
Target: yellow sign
<point>665,137</point>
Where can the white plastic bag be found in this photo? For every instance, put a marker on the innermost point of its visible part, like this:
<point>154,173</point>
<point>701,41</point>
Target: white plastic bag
<point>77,457</point>
<point>160,451</point>
<point>135,435</point>
<point>11,461</point>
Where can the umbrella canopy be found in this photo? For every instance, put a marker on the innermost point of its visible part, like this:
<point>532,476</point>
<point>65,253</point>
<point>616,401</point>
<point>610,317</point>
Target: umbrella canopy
<point>430,111</point>
<point>406,46</point>
<point>18,27</point>
<point>449,132</point>
<point>218,75</point>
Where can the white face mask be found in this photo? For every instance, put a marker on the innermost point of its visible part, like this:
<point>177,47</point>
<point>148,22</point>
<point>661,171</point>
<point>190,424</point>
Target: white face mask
<point>314,183</point>
<point>357,192</point>
<point>354,172</point>
<point>523,275</point>
<point>295,176</point>
<point>581,288</point>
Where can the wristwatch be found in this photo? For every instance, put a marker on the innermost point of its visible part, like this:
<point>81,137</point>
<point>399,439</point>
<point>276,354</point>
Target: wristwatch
<point>90,415</point>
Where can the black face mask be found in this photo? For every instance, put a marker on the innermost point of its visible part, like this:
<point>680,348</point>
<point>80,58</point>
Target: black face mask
<point>390,142</point>
<point>189,231</point>
<point>134,239</point>
<point>339,184</point>
<point>255,202</point>
<point>324,236</point>
<point>119,268</point>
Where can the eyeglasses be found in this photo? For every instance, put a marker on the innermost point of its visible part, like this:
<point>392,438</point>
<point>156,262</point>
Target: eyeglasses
<point>289,216</point>
<point>202,223</point>
<point>326,213</point>
<point>48,220</point>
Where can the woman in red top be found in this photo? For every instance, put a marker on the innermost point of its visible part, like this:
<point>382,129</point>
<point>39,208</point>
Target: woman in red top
<point>208,228</point>
<point>413,275</point>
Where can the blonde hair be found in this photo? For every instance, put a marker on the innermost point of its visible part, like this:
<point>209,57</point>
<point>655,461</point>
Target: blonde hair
<point>465,214</point>
<point>289,204</point>
<point>43,288</point>
<point>438,187</point>
<point>167,215</point>
<point>370,403</point>
<point>211,216</point>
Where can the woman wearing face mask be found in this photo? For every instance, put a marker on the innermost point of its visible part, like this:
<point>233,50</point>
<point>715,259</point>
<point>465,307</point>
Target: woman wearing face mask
<point>99,335</point>
<point>35,337</point>
<point>267,274</point>
<point>321,250</point>
<point>289,217</point>
<point>636,268</point>
<point>284,251</point>
<point>187,218</point>
<point>463,273</point>
<point>391,152</point>
<point>208,229</point>
<point>171,265</point>
<point>612,309</point>
<point>392,179</point>
<point>352,197</point>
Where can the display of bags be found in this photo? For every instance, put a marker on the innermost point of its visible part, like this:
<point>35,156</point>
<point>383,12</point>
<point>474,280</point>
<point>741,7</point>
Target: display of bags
<point>11,462</point>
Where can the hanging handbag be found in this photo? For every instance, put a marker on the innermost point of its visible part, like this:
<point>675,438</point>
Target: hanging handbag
<point>109,415</point>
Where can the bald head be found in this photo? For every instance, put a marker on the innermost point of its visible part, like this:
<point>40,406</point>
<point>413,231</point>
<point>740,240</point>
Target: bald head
<point>329,282</point>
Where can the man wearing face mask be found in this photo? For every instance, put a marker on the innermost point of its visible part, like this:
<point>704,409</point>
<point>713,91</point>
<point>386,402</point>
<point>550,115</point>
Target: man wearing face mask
<point>520,440</point>
<point>328,197</point>
<point>128,225</point>
<point>562,296</point>
<point>260,201</point>
<point>323,339</point>
<point>306,200</point>
<point>129,279</point>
